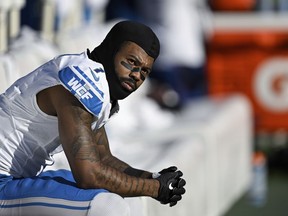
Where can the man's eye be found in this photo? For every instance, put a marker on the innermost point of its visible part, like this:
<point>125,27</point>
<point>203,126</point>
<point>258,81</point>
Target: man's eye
<point>131,61</point>
<point>144,71</point>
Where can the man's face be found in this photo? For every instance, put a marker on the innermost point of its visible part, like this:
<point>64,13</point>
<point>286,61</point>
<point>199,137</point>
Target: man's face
<point>132,65</point>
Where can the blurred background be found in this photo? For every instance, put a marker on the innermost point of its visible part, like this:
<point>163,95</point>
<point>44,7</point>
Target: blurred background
<point>216,104</point>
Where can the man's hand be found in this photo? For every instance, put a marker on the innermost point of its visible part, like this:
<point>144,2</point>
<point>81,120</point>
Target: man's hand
<point>169,169</point>
<point>178,191</point>
<point>171,186</point>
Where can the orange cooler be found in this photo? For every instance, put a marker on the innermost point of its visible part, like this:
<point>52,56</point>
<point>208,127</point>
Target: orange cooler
<point>249,54</point>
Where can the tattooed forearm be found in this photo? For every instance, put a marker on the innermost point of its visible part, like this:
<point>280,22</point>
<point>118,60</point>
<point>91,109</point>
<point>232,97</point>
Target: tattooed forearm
<point>115,163</point>
<point>91,155</point>
<point>122,184</point>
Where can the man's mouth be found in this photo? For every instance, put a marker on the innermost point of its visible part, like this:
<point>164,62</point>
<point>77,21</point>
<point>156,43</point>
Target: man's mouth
<point>129,86</point>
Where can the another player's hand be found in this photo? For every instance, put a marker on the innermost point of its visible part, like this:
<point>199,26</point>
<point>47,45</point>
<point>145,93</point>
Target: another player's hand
<point>171,186</point>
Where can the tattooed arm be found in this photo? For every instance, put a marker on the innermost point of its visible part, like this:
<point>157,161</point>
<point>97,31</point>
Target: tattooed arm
<point>103,145</point>
<point>88,152</point>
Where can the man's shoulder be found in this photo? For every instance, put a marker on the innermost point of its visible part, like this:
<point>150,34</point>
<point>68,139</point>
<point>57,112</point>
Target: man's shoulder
<point>70,59</point>
<point>87,82</point>
<point>81,60</point>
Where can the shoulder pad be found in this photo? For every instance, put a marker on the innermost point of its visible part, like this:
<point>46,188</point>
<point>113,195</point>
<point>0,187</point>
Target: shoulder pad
<point>84,87</point>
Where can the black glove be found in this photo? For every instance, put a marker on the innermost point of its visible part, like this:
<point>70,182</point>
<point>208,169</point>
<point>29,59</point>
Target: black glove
<point>171,186</point>
<point>178,191</point>
<point>169,169</point>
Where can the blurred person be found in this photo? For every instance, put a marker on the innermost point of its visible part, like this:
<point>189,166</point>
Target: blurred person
<point>180,73</point>
<point>63,9</point>
<point>183,27</point>
<point>31,14</point>
<point>124,9</point>
<point>94,11</point>
<point>90,11</point>
<point>63,106</point>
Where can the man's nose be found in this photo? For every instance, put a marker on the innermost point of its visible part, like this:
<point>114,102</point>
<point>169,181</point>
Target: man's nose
<point>136,73</point>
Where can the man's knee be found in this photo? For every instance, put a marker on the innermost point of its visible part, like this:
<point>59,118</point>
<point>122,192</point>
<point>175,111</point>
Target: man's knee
<point>109,204</point>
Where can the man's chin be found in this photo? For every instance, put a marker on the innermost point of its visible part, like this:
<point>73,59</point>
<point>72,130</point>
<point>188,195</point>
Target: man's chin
<point>125,96</point>
<point>120,95</point>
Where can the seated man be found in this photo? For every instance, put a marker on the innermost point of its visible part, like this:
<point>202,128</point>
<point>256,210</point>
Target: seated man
<point>64,105</point>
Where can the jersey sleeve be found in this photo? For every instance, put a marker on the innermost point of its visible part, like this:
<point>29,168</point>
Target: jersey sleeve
<point>84,86</point>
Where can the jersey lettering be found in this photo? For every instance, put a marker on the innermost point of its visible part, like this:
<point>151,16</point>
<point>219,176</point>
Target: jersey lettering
<point>83,88</point>
<point>82,73</point>
<point>80,90</point>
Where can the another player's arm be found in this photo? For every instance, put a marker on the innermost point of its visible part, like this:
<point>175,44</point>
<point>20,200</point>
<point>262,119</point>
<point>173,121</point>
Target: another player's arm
<point>87,159</point>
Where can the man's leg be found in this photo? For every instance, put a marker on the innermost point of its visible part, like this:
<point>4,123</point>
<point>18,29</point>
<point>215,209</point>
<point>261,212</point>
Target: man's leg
<point>55,193</point>
<point>109,204</point>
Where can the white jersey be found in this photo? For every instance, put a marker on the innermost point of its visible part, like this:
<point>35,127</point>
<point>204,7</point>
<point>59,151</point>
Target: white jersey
<point>28,136</point>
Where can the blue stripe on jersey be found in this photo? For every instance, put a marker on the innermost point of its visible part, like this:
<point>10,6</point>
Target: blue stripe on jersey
<point>81,90</point>
<point>99,70</point>
<point>89,80</point>
<point>46,205</point>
